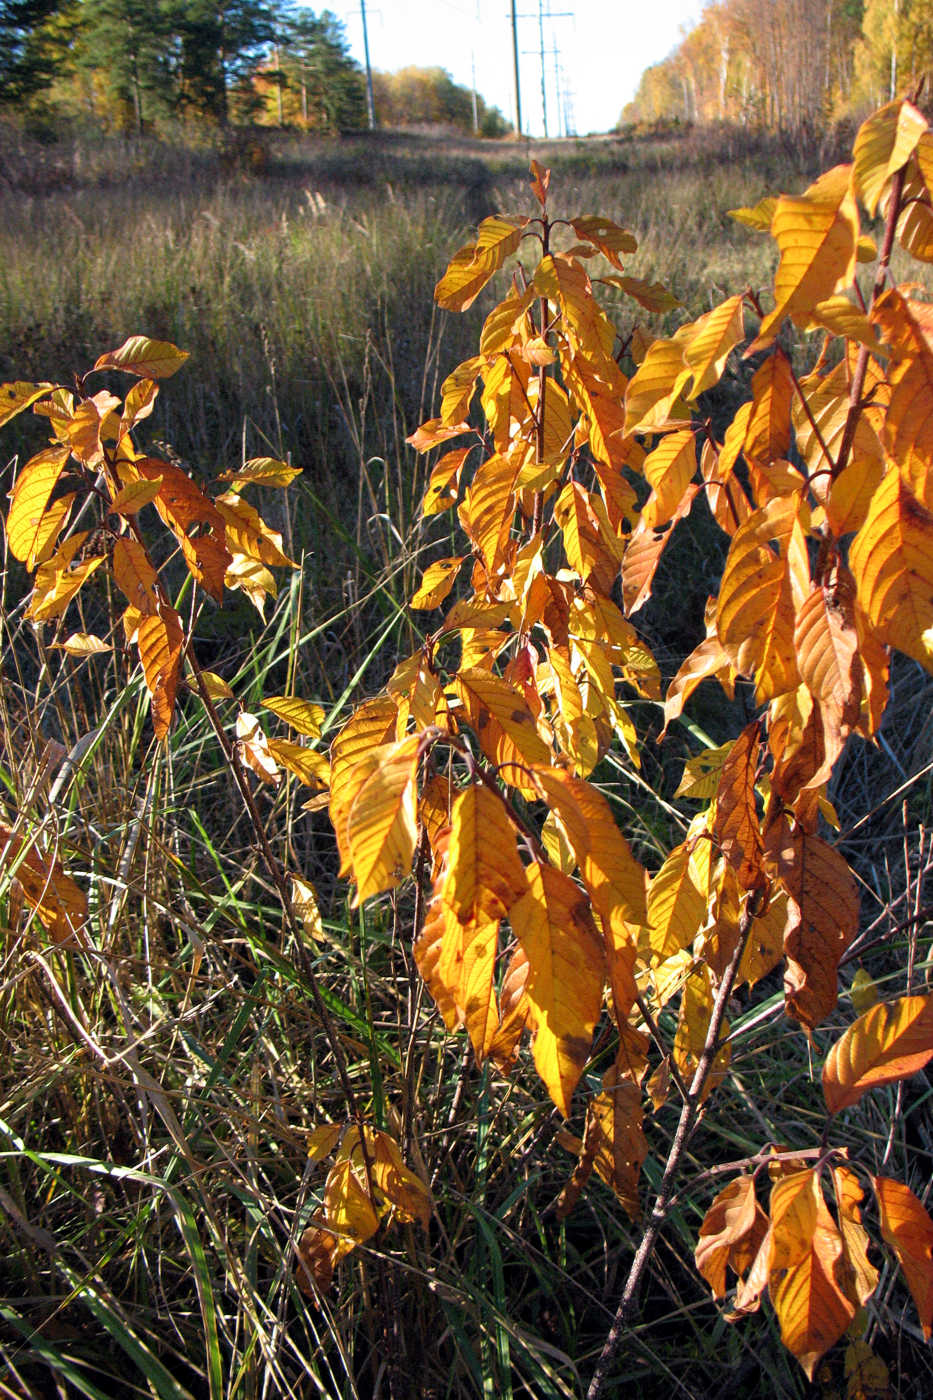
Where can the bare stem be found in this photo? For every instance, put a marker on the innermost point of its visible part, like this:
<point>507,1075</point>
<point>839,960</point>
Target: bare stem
<point>689,1116</point>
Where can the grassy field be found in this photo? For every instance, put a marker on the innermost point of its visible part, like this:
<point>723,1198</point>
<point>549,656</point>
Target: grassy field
<point>155,1098</point>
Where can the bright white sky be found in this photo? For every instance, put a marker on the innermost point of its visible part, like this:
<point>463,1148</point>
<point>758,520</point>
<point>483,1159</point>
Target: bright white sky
<point>602,48</point>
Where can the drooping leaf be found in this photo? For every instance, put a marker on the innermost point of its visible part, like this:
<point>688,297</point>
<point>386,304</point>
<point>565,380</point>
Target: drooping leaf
<point>908,1230</point>
<point>823,920</point>
<point>457,959</point>
<point>807,1276</point>
<point>735,825</point>
<point>444,481</point>
<point>160,639</point>
<point>371,725</point>
<point>59,901</point>
<point>766,572</point>
<point>485,876</point>
<point>382,822</point>
<point>614,879</point>
<point>828,657</point>
<point>891,558</point>
<point>860,1277</point>
<point>731,1233</point>
<point>676,907</point>
<point>564,983</point>
<point>669,469</point>
<point>696,1008</point>
<point>134,575</point>
<point>305,905</point>
<point>891,1041</point>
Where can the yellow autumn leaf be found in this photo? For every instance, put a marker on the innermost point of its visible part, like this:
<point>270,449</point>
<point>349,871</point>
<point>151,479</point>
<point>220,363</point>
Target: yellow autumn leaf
<point>131,498</point>
<point>823,916</point>
<point>707,344</point>
<point>891,558</point>
<point>676,907</point>
<point>59,902</point>
<point>261,471</point>
<point>30,525</point>
<point>758,592</point>
<point>883,145</point>
<point>436,582</point>
<point>19,395</point>
<point>308,767</point>
<point>443,484</point>
<point>817,234</point>
<point>302,715</point>
<point>305,905</point>
<point>150,359</point>
<point>382,823</point>
<point>84,644</point>
<point>731,1233</point>
<point>553,924</point>
<point>484,873</point>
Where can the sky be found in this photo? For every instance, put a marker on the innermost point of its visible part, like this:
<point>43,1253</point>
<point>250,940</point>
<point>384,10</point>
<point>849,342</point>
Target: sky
<point>595,50</point>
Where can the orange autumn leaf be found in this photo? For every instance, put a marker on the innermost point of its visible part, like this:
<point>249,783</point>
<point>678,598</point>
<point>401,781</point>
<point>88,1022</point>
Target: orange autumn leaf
<point>891,1041</point>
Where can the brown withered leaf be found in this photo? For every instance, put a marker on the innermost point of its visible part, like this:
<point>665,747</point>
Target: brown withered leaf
<point>823,913</point>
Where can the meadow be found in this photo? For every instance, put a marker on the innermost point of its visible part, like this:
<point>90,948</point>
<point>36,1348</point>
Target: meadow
<point>155,1102</point>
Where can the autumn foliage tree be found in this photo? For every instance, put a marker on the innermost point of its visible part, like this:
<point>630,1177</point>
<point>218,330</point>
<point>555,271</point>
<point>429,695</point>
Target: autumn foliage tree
<point>567,460</point>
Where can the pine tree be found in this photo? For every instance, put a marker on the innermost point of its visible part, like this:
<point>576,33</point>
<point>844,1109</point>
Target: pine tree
<point>27,62</point>
<point>324,82</point>
<point>130,43</point>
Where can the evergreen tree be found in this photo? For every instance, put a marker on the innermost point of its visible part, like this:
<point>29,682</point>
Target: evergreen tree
<point>220,43</point>
<point>27,60</point>
<point>325,83</point>
<point>130,43</point>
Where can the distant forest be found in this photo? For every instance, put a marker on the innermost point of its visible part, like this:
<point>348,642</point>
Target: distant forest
<point>789,64</point>
<point>139,65</point>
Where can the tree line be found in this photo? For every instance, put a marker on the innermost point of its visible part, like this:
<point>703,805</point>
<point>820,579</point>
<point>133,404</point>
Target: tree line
<point>789,64</point>
<point>134,65</point>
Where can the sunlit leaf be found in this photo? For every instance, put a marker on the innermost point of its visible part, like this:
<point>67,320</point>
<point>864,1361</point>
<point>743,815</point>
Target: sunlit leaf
<point>382,823</point>
<point>553,923</point>
<point>908,1230</point>
<point>806,1269</point>
<point>149,359</point>
<point>302,715</point>
<point>816,233</point>
<point>731,1233</point>
<point>883,145</point>
<point>891,1041</point>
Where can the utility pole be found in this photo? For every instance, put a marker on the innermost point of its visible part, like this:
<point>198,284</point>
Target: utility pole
<point>542,53</point>
<point>518,90</point>
<point>370,104</point>
<point>475,112</point>
<point>541,50</point>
